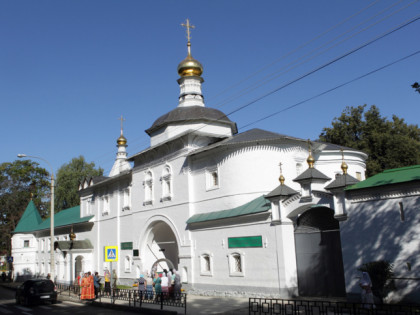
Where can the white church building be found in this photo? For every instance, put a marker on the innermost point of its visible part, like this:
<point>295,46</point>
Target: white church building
<point>208,201</point>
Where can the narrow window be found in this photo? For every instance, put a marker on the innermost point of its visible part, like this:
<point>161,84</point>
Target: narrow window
<point>237,263</point>
<point>358,176</point>
<point>26,243</point>
<point>215,178</point>
<point>148,189</point>
<point>127,264</point>
<point>402,216</point>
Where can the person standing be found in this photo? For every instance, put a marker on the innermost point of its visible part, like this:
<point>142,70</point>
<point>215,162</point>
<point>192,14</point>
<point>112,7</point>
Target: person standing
<point>84,285</point>
<point>149,287</point>
<point>158,288</point>
<point>366,294</point>
<point>114,280</point>
<point>142,286</point>
<point>107,276</point>
<point>90,294</point>
<point>177,285</point>
<point>96,284</point>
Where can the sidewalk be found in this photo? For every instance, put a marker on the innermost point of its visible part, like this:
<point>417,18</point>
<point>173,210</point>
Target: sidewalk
<point>196,304</point>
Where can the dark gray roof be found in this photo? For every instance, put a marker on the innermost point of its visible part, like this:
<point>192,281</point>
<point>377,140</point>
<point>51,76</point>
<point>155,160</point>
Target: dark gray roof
<point>311,173</point>
<point>98,179</point>
<point>342,181</point>
<point>249,136</point>
<point>260,135</point>
<point>281,190</point>
<point>67,245</point>
<point>191,113</point>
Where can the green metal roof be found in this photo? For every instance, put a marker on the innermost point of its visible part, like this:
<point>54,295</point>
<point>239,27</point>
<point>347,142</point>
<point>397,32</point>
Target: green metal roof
<point>257,205</point>
<point>30,219</point>
<point>388,177</point>
<point>65,217</point>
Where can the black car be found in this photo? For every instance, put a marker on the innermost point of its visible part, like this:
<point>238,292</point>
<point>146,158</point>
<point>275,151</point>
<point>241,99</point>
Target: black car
<point>36,291</point>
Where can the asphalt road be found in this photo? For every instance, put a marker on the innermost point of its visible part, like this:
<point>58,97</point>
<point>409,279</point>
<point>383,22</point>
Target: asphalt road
<point>8,306</point>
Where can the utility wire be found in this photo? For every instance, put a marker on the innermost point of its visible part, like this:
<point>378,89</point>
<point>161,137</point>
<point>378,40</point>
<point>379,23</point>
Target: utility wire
<point>294,50</point>
<point>330,90</point>
<point>289,67</point>
<point>405,24</point>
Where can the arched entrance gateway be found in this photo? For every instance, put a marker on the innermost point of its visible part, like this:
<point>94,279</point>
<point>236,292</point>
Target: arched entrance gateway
<point>318,254</point>
<point>160,248</point>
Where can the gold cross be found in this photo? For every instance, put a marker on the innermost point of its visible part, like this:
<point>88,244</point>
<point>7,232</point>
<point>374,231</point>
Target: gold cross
<point>188,27</point>
<point>280,164</point>
<point>122,119</point>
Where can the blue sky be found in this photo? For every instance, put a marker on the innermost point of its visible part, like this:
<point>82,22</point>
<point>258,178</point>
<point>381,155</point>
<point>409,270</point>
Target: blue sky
<point>70,69</point>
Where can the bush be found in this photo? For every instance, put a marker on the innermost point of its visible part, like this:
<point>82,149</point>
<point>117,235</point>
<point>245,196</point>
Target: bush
<point>381,274</point>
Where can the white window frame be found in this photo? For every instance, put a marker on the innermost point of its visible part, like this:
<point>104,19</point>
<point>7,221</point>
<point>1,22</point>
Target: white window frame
<point>105,205</point>
<point>166,181</point>
<point>233,272</point>
<point>127,264</point>
<point>126,199</point>
<point>206,264</point>
<point>210,184</point>
<point>148,188</point>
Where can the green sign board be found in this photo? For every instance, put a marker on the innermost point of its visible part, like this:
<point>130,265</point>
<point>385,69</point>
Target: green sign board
<point>246,241</point>
<point>127,245</point>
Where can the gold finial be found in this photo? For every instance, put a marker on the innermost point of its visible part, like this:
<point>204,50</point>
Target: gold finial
<point>32,195</point>
<point>344,165</point>
<point>188,26</point>
<point>189,66</point>
<point>310,160</point>
<point>281,178</point>
<point>72,236</point>
<point>121,140</point>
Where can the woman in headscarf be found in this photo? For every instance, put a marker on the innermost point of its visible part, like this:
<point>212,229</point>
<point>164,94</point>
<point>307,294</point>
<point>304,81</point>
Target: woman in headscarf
<point>142,286</point>
<point>367,296</point>
<point>157,283</point>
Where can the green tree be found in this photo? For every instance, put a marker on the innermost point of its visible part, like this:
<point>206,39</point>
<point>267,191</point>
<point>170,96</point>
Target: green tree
<point>19,182</point>
<point>69,177</point>
<point>389,143</point>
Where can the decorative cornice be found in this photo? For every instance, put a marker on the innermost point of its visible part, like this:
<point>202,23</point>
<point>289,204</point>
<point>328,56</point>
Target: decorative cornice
<point>357,197</point>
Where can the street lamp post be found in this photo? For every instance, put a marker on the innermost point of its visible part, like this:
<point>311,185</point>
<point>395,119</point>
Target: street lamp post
<point>52,258</point>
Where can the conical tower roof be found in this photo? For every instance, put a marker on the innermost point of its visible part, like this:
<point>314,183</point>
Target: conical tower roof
<point>30,219</point>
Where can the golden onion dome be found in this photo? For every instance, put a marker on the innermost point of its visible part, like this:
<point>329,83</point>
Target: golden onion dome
<point>190,67</point>
<point>310,160</point>
<point>344,167</point>
<point>121,140</point>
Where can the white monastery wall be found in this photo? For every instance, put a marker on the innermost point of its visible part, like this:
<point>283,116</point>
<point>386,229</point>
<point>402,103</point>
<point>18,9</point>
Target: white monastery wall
<point>384,233</point>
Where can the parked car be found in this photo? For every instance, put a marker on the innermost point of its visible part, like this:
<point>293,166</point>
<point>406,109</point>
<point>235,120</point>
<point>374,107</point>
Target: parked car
<point>36,291</point>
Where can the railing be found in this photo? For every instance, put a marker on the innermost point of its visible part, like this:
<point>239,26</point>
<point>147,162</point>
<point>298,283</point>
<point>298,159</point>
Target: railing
<point>134,297</point>
<point>292,307</point>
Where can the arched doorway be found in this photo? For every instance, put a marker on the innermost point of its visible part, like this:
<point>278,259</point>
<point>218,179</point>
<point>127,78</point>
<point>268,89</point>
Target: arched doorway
<point>78,266</point>
<point>160,248</point>
<point>318,254</point>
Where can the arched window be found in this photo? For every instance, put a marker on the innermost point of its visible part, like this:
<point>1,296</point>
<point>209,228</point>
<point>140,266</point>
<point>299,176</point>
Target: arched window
<point>166,183</point>
<point>212,178</point>
<point>236,264</point>
<point>148,188</point>
<point>206,264</point>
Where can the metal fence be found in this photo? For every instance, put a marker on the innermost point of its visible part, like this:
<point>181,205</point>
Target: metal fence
<point>294,307</point>
<point>135,298</point>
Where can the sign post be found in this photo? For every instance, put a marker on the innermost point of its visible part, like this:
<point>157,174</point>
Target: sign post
<point>111,254</point>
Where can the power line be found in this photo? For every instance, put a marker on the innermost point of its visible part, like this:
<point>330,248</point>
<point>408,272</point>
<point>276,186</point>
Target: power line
<point>330,90</point>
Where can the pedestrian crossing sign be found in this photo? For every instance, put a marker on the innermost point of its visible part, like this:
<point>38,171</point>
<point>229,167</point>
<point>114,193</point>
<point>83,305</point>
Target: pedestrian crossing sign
<point>111,253</point>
